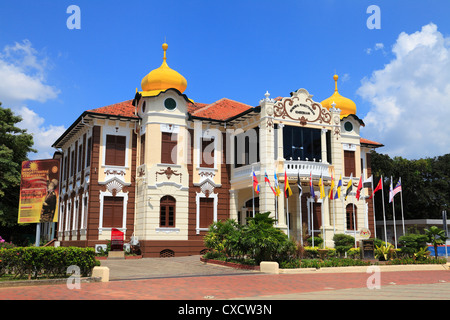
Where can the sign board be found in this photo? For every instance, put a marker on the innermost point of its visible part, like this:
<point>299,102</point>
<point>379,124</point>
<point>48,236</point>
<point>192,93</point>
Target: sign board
<point>116,240</point>
<point>367,249</point>
<point>39,191</point>
<point>300,107</point>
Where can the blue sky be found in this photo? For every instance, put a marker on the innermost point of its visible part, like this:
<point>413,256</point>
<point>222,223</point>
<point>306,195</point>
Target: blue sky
<point>233,49</point>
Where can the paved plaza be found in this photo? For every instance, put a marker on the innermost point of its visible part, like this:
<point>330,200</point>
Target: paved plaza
<point>186,278</point>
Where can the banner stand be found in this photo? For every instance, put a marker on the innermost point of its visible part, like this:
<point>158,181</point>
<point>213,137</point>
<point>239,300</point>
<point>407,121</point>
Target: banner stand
<point>38,235</point>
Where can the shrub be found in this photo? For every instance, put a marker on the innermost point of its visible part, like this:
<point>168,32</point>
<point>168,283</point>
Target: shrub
<point>412,243</point>
<point>53,262</point>
<point>354,253</point>
<point>416,261</point>
<point>317,241</point>
<point>311,252</point>
<point>5,245</point>
<point>384,252</point>
<point>259,240</point>
<point>225,237</point>
<point>332,262</point>
<point>343,243</point>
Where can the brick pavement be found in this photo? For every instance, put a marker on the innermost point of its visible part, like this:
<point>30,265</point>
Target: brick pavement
<point>230,287</point>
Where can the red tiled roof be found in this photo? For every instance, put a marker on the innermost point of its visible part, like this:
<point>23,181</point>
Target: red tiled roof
<point>194,106</point>
<point>221,110</point>
<point>124,109</point>
<point>370,142</point>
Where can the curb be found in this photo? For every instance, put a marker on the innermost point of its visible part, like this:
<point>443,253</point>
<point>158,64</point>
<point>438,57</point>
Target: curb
<point>44,282</point>
<point>229,264</point>
<point>354,269</point>
<point>364,269</point>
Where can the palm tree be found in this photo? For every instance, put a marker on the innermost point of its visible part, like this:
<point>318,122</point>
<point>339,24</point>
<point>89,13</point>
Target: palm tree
<point>436,237</point>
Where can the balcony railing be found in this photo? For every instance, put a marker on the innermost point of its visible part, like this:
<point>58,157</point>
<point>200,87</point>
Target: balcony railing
<point>305,168</point>
<point>246,171</point>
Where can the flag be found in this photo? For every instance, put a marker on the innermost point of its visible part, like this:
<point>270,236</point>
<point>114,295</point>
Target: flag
<point>255,183</point>
<point>391,192</point>
<point>368,183</point>
<point>330,195</point>
<point>266,179</point>
<point>277,187</point>
<point>321,188</point>
<point>358,190</point>
<point>287,188</point>
<point>349,186</point>
<point>379,187</point>
<point>338,189</point>
<point>398,187</point>
<point>311,188</point>
<point>299,184</point>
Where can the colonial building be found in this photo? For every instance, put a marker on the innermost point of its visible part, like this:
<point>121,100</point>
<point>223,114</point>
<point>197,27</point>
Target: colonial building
<point>162,167</point>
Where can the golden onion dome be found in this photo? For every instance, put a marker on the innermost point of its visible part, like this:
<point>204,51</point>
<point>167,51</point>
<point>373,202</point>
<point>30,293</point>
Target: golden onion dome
<point>162,78</point>
<point>346,105</point>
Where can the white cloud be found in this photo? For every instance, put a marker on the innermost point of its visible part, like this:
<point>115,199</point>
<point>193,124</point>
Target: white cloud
<point>22,74</point>
<point>410,97</point>
<point>43,136</point>
<point>377,47</point>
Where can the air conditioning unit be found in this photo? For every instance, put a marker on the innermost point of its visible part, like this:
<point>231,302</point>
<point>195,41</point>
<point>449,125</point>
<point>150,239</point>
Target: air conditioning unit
<point>100,248</point>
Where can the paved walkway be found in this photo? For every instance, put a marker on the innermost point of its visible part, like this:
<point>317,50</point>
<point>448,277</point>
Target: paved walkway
<point>185,279</point>
<point>149,268</point>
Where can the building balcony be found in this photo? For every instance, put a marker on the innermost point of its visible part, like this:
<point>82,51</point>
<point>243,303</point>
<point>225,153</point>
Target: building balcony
<point>245,172</point>
<point>305,168</point>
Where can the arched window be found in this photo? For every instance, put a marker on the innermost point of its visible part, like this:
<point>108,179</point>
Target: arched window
<point>350,223</point>
<point>167,212</point>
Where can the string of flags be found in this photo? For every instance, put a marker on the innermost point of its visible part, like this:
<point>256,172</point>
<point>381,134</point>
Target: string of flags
<point>335,192</point>
<point>335,189</point>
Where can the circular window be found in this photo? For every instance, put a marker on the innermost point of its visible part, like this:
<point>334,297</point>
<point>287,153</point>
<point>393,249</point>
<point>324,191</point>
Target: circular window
<point>170,104</point>
<point>143,107</point>
<point>348,126</point>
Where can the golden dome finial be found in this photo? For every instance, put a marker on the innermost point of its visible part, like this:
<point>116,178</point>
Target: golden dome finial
<point>165,46</point>
<point>162,78</point>
<point>346,105</point>
<point>335,77</point>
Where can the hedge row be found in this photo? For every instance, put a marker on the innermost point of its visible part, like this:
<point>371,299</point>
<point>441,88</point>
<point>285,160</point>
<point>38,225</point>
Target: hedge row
<point>48,261</point>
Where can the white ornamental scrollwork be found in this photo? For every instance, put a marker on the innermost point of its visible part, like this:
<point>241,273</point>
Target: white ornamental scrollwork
<point>300,107</point>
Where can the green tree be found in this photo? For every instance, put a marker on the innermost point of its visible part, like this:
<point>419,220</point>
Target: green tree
<point>15,144</point>
<point>265,241</point>
<point>425,185</point>
<point>436,237</point>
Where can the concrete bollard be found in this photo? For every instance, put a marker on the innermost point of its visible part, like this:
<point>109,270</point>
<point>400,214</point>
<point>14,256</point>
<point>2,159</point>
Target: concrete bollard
<point>269,267</point>
<point>101,272</point>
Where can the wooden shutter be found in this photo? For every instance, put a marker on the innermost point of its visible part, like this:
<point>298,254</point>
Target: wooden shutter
<point>142,149</point>
<point>167,145</point>
<point>167,212</point>
<point>113,212</point>
<point>206,143</point>
<point>349,163</point>
<point>88,152</point>
<point>206,212</point>
<point>72,163</point>
<point>350,223</point>
<point>115,150</point>
<point>80,157</point>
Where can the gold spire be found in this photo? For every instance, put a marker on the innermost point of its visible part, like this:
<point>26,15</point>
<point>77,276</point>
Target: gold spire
<point>162,78</point>
<point>346,105</point>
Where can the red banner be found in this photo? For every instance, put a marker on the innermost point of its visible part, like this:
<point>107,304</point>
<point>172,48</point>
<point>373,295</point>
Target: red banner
<point>116,240</point>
